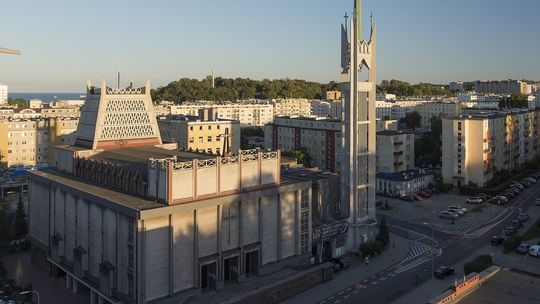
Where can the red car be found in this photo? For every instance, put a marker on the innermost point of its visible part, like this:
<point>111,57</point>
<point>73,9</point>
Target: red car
<point>417,197</point>
<point>424,194</point>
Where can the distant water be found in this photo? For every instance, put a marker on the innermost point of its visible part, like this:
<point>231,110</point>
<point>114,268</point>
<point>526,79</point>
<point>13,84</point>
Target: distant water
<point>46,97</point>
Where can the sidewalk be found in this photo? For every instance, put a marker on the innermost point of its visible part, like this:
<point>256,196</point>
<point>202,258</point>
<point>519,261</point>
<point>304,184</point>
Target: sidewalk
<point>356,273</point>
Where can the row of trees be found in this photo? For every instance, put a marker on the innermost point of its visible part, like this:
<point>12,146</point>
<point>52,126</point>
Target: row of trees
<point>228,89</point>
<point>402,88</point>
<point>13,226</point>
<point>19,102</point>
<point>514,101</point>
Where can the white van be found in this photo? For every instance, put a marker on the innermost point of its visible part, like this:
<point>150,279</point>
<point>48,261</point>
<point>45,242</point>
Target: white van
<point>534,251</point>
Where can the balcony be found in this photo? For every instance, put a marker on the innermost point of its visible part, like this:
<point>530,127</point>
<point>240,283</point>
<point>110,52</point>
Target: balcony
<point>398,153</point>
<point>398,143</point>
<point>398,163</point>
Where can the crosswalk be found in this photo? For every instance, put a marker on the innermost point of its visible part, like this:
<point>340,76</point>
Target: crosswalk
<point>415,249</point>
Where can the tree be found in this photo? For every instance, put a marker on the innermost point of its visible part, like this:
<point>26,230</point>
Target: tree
<point>514,101</point>
<point>412,120</point>
<point>19,102</point>
<point>301,155</point>
<point>5,225</point>
<point>20,226</point>
<point>384,234</point>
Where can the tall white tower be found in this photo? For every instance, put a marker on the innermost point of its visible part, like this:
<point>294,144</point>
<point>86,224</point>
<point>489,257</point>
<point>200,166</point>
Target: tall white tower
<point>358,81</point>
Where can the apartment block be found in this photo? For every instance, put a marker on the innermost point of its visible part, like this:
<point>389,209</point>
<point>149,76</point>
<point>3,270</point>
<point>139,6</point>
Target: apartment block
<point>251,114</point>
<point>320,136</point>
<point>502,87</point>
<point>213,136</point>
<point>395,151</point>
<point>477,146</point>
<point>292,107</point>
<point>433,109</point>
<point>27,142</point>
<point>3,94</point>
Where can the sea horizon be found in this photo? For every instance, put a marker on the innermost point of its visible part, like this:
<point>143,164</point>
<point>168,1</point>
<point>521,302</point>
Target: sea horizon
<point>46,97</point>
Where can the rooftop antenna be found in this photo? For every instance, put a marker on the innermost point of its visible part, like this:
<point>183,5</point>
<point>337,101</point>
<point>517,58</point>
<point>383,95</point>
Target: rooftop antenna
<point>213,79</point>
<point>346,19</point>
<point>371,19</point>
<point>118,61</point>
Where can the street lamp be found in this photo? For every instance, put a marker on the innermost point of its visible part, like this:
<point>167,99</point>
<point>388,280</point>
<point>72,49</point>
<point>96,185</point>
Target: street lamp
<point>29,292</point>
<point>432,226</point>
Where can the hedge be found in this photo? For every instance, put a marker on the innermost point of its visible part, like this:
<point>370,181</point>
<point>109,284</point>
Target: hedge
<point>478,265</point>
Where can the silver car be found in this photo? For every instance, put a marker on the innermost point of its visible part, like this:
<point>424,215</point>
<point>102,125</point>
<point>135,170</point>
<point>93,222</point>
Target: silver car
<point>448,215</point>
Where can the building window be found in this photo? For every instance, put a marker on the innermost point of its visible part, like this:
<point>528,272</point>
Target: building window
<point>218,138</point>
<point>200,139</point>
<point>191,128</point>
<point>191,140</point>
<point>209,127</point>
<point>200,128</point>
<point>209,139</point>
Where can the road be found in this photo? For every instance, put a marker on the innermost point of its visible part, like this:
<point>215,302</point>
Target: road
<point>397,280</point>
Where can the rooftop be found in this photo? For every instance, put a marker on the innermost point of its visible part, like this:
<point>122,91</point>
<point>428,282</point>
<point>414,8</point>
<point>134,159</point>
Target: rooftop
<point>392,132</point>
<point>507,286</point>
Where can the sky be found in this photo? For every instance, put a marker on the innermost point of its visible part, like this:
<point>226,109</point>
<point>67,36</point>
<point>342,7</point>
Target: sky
<point>66,42</point>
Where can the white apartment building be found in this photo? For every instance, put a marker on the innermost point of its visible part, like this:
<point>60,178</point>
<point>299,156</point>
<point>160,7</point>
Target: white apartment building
<point>477,146</point>
<point>320,108</point>
<point>395,151</point>
<point>250,114</point>
<point>397,109</point>
<point>433,109</point>
<point>292,107</point>
<point>320,136</point>
<point>457,86</point>
<point>3,94</point>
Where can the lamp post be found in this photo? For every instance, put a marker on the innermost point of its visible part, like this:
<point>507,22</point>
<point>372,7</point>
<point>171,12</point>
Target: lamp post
<point>30,292</point>
<point>432,226</point>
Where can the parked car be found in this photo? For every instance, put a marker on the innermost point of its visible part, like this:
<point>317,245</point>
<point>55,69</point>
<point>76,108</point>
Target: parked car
<point>519,185</point>
<point>508,194</point>
<point>429,192</point>
<point>530,179</point>
<point>483,196</point>
<point>510,230</point>
<point>497,240</point>
<point>517,224</point>
<point>408,198</point>
<point>474,200</point>
<point>534,251</point>
<point>458,208</point>
<point>537,202</point>
<point>379,203</point>
<point>423,194</point>
<point>523,248</point>
<point>523,217</point>
<point>444,271</point>
<point>339,264</point>
<point>525,183</point>
<point>456,212</point>
<point>417,197</point>
<point>448,215</point>
<point>499,200</point>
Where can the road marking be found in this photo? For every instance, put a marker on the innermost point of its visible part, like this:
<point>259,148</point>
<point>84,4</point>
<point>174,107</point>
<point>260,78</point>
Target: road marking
<point>347,296</point>
<point>355,292</point>
<point>337,301</point>
<point>374,283</point>
<point>383,278</point>
<point>322,302</point>
<point>348,289</point>
<point>393,275</point>
<point>331,298</point>
<point>340,293</point>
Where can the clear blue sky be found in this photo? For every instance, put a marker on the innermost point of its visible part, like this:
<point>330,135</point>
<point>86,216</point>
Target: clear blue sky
<point>65,42</point>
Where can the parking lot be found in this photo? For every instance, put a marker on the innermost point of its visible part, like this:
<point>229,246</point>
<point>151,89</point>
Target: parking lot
<point>427,211</point>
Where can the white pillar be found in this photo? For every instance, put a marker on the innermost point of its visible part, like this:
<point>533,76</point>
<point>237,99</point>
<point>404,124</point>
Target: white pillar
<point>69,281</point>
<point>92,297</point>
<point>75,287</point>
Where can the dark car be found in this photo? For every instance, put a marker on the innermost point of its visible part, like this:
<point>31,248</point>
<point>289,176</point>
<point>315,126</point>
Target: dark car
<point>484,196</point>
<point>523,248</point>
<point>339,264</point>
<point>497,240</point>
<point>443,271</point>
<point>517,224</point>
<point>523,217</point>
<point>408,198</point>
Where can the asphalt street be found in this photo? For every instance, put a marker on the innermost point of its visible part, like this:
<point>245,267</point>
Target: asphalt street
<point>397,280</point>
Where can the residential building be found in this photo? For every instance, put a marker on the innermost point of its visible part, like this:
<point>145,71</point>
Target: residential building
<point>506,87</point>
<point>404,182</point>
<point>251,114</point>
<point>475,147</point>
<point>398,109</point>
<point>35,104</point>
<point>436,109</point>
<point>387,124</point>
<point>358,78</point>
<point>138,221</point>
<point>292,107</point>
<point>456,86</point>
<point>395,151</point>
<point>333,95</point>
<point>213,136</point>
<point>386,97</point>
<point>3,94</point>
<point>320,136</point>
<point>320,108</point>
<point>27,142</point>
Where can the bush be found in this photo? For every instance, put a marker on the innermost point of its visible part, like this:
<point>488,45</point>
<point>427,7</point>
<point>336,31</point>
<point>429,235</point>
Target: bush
<point>511,243</point>
<point>372,248</point>
<point>478,265</point>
